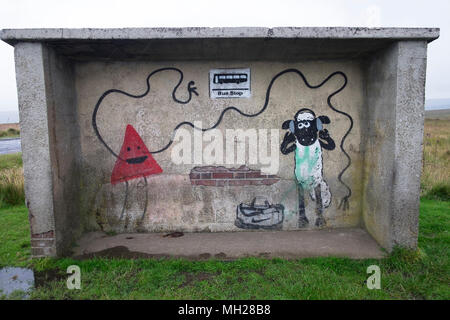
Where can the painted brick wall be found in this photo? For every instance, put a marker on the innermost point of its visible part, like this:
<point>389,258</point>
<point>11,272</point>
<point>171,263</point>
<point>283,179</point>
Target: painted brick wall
<point>43,244</point>
<point>220,177</point>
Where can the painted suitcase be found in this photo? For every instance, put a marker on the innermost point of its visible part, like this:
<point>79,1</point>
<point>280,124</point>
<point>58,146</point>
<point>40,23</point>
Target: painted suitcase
<point>260,214</point>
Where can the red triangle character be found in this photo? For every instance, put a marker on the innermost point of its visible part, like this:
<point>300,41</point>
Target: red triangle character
<point>134,159</point>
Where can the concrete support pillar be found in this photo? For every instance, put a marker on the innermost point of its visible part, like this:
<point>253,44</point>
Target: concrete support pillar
<point>33,101</point>
<point>394,115</point>
<point>50,145</point>
<point>409,123</point>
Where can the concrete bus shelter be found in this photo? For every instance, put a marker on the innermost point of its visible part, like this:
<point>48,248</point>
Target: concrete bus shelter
<point>102,112</point>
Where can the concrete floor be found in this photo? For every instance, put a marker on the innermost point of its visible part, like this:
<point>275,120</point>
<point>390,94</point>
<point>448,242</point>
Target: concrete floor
<point>353,243</point>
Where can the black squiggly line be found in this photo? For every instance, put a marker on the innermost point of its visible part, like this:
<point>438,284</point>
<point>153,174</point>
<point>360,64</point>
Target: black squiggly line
<point>266,103</point>
<point>344,202</point>
<point>191,89</point>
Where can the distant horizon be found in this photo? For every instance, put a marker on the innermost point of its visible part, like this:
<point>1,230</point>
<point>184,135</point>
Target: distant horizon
<point>12,116</point>
<point>201,13</point>
<point>9,116</point>
<point>432,104</point>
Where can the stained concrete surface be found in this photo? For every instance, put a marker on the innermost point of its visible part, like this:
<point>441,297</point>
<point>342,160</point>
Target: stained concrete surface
<point>354,243</point>
<point>173,203</point>
<point>16,279</point>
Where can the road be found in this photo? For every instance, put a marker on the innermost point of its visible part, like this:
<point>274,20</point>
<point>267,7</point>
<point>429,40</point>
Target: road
<point>10,146</point>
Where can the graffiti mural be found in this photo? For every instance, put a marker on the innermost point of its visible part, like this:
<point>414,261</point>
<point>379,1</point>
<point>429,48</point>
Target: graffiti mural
<point>306,137</point>
<point>134,162</point>
<point>190,88</point>
<point>259,214</point>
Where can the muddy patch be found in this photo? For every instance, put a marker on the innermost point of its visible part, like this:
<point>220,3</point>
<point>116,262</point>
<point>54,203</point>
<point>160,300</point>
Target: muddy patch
<point>117,252</point>
<point>204,255</point>
<point>230,281</point>
<point>42,278</point>
<point>220,255</point>
<point>122,252</point>
<point>191,278</point>
<point>174,235</point>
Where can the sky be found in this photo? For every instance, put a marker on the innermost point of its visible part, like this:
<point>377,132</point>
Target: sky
<point>228,13</point>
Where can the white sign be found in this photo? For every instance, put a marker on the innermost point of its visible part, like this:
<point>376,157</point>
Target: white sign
<point>229,83</point>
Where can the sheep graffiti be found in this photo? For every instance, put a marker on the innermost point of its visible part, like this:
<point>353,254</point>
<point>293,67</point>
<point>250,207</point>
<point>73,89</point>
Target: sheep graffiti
<point>307,137</point>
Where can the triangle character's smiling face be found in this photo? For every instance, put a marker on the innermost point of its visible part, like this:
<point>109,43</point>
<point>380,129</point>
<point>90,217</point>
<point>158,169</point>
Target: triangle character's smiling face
<point>134,159</point>
<point>132,151</point>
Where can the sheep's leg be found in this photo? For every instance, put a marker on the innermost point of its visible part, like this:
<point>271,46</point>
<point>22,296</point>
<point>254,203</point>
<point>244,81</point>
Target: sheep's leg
<point>302,220</point>
<point>320,221</point>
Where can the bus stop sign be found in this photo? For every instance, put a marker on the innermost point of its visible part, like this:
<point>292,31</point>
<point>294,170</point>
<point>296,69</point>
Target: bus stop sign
<point>229,83</point>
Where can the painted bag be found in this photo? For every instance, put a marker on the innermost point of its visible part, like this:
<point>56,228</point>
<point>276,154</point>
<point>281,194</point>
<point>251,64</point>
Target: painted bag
<point>260,214</point>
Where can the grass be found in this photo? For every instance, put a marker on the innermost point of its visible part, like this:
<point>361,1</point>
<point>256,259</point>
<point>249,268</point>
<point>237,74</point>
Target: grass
<point>8,161</point>
<point>11,180</point>
<point>422,274</point>
<point>14,236</point>
<point>10,133</point>
<point>436,158</point>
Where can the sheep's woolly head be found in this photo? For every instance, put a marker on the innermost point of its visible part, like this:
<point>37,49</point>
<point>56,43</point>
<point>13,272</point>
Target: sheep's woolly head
<point>305,115</point>
<point>305,127</point>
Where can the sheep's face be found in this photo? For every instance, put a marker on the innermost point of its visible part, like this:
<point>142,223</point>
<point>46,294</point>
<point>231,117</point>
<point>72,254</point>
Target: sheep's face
<point>305,127</point>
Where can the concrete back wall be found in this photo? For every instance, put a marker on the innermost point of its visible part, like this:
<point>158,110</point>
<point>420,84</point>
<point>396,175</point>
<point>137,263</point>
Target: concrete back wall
<point>175,204</point>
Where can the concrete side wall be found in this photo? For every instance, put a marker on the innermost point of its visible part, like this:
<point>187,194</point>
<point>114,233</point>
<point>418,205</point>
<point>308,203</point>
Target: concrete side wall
<point>33,100</point>
<point>409,112</point>
<point>393,143</point>
<point>50,145</point>
<point>64,148</point>
<point>174,203</point>
<point>379,143</point>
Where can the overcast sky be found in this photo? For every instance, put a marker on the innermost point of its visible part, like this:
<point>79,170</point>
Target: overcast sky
<point>229,13</point>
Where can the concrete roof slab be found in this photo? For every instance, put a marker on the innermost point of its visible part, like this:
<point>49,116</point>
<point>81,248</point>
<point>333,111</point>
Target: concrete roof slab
<point>15,35</point>
<point>243,43</point>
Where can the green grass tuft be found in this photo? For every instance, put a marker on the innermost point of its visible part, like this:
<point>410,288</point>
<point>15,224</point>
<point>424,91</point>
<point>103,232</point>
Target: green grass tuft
<point>439,191</point>
<point>436,151</point>
<point>11,180</point>
<point>14,236</point>
<point>12,160</point>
